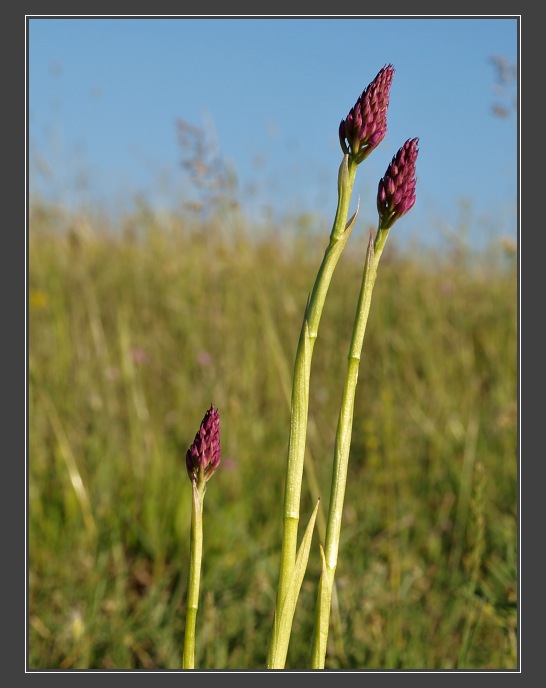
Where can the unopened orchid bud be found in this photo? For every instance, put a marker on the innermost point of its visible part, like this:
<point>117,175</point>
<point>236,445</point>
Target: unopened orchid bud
<point>203,456</point>
<point>366,124</point>
<point>396,190</point>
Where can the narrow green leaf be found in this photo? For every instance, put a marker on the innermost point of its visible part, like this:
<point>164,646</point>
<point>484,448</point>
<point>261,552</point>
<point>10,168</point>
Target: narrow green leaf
<point>351,223</point>
<point>284,626</point>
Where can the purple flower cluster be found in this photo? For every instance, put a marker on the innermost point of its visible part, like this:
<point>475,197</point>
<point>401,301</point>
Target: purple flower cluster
<point>366,124</point>
<point>396,190</point>
<point>203,456</point>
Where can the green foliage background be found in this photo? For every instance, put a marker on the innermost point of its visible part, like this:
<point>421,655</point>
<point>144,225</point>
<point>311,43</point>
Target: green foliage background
<point>134,332</point>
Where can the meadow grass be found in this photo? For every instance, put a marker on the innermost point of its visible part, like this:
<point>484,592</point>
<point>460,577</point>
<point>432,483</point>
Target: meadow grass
<point>134,331</point>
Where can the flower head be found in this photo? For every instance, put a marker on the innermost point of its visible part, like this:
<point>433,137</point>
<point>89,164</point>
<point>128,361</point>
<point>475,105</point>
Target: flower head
<point>203,456</point>
<point>366,124</point>
<point>396,190</point>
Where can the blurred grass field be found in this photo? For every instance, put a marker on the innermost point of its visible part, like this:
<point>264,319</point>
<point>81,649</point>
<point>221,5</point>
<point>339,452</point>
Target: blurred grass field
<point>135,331</point>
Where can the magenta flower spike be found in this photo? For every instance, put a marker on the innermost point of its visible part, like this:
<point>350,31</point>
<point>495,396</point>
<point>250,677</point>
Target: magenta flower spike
<point>366,124</point>
<point>203,456</point>
<point>396,190</point>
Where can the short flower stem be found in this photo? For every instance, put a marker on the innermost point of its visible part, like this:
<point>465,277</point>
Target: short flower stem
<point>341,460</point>
<point>202,460</point>
<point>196,551</point>
<point>339,236</point>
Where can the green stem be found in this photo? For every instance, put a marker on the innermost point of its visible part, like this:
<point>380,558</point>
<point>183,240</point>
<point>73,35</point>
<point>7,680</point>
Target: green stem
<point>339,236</point>
<point>379,244</point>
<point>196,552</point>
<point>341,458</point>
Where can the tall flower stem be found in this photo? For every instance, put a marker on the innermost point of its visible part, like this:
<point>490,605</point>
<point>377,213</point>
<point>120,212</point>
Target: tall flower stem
<point>339,236</point>
<point>341,459</point>
<point>395,197</point>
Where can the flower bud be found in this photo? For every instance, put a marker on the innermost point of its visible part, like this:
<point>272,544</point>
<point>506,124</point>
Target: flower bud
<point>396,190</point>
<point>203,456</point>
<point>366,124</point>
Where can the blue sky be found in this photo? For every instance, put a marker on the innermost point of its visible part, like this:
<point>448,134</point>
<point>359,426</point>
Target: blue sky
<point>105,94</point>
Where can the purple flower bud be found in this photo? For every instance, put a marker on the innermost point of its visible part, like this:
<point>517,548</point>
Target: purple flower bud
<point>396,190</point>
<point>366,124</point>
<point>203,456</point>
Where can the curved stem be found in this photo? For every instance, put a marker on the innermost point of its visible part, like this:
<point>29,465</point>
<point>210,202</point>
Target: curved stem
<point>300,392</point>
